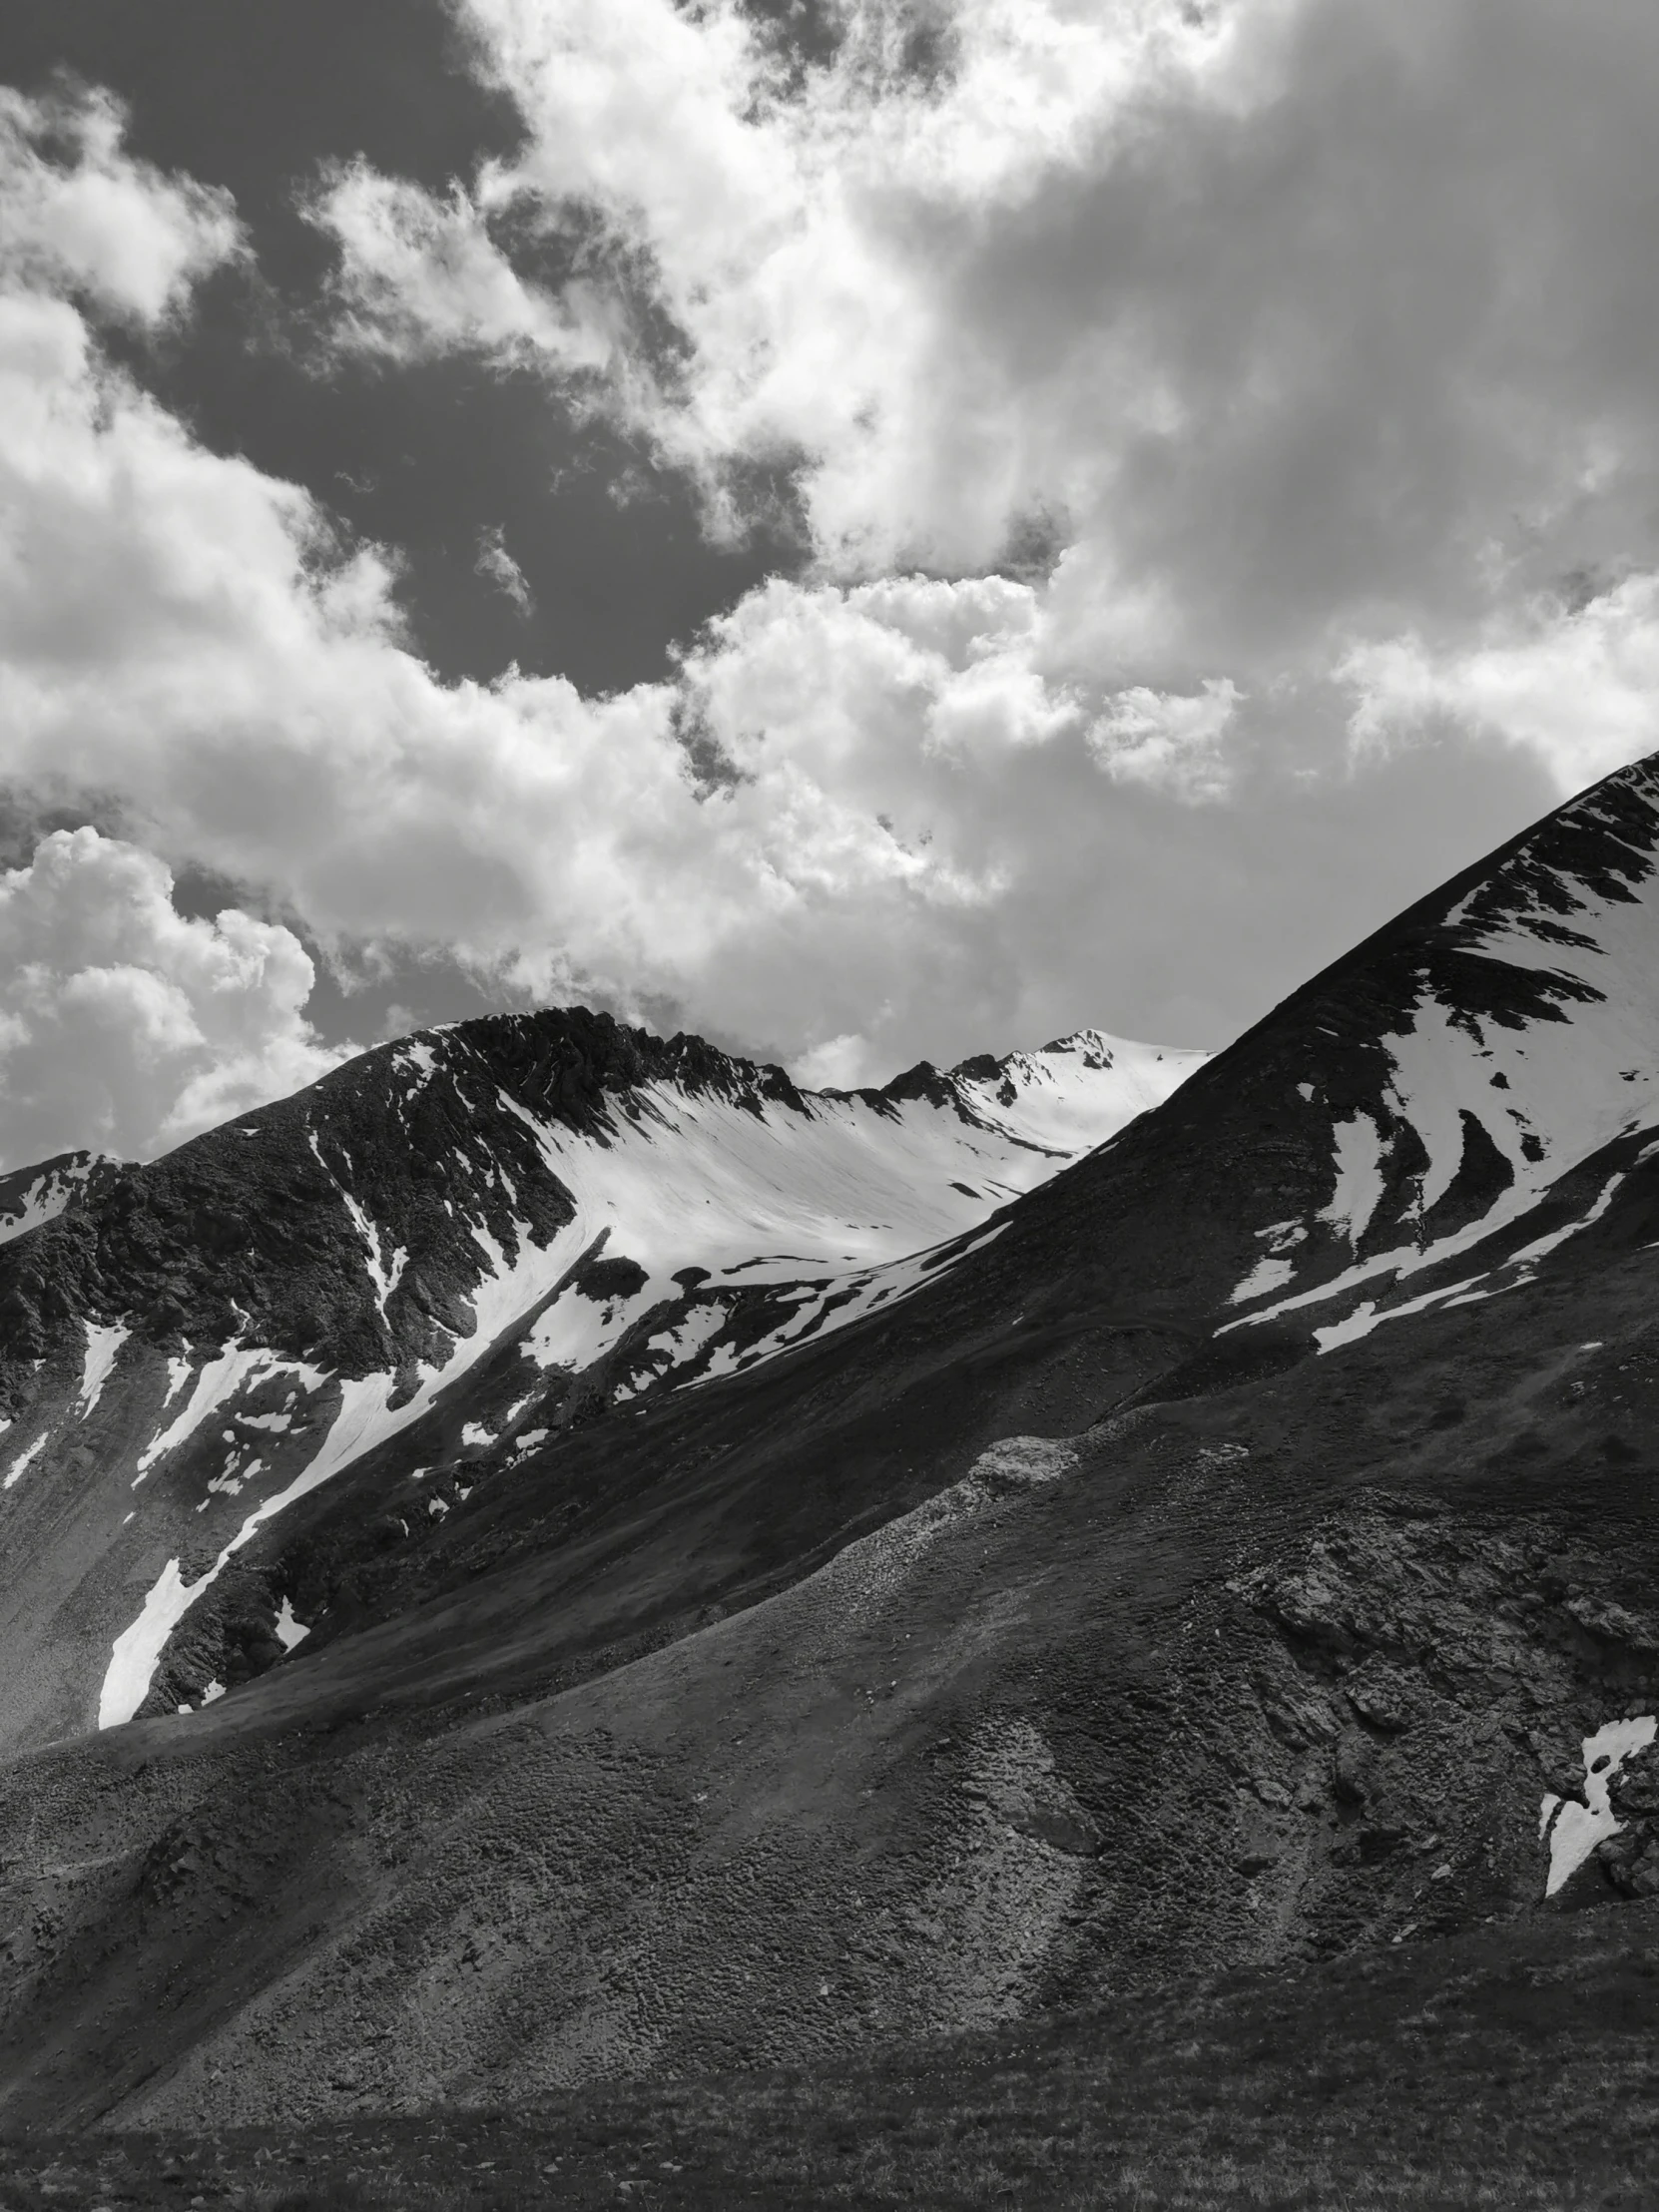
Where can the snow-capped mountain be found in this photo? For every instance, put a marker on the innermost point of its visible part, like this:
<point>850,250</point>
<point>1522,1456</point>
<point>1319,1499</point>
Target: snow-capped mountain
<point>620,1567</point>
<point>199,1344</point>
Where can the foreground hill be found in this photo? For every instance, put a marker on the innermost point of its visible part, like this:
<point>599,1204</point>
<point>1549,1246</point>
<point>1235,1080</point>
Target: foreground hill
<point>1507,2067</point>
<point>1239,1550</point>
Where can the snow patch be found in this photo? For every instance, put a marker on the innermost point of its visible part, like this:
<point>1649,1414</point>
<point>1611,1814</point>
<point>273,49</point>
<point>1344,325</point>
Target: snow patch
<point>1365,1317</point>
<point>1358,1190</point>
<point>25,1459</point>
<point>46,1197</point>
<point>1271,1273</point>
<point>381,1272</point>
<point>384,1273</point>
<point>677,1347</point>
<point>102,1345</point>
<point>138,1648</point>
<point>1275,1268</point>
<point>1528,1257</point>
<point>290,1631</point>
<point>217,1380</point>
<point>1575,1828</point>
<point>575,1330</point>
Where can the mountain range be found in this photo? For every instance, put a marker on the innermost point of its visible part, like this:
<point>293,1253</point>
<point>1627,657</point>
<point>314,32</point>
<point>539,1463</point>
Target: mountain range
<point>555,1558</point>
<point>470,1241</point>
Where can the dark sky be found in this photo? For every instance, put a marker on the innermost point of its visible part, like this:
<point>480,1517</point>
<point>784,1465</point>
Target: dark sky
<point>259,99</point>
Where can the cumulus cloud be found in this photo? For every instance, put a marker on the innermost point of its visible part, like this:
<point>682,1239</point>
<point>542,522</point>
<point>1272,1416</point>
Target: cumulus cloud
<point>1292,320</point>
<point>1579,687</point>
<point>875,814</point>
<point>126,1027</point>
<point>1149,736</point>
<point>81,214</point>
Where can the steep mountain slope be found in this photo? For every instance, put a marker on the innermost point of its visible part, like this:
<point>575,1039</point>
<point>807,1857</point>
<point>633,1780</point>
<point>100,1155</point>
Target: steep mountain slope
<point>190,1349</point>
<point>1244,1550</point>
<point>32,1195</point>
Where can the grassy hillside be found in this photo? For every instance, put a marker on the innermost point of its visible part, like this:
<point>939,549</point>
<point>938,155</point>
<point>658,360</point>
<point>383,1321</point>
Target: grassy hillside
<point>1508,2068</point>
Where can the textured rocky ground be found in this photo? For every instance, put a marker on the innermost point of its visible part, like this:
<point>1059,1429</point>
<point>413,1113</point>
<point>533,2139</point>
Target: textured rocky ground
<point>1281,1671</point>
<point>1510,2067</point>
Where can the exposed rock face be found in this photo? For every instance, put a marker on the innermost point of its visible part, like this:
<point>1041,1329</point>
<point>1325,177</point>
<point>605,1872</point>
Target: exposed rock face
<point>1449,1669</point>
<point>1630,1859</point>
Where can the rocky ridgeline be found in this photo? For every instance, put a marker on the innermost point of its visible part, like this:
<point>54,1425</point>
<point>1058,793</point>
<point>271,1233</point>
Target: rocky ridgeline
<point>249,1231</point>
<point>258,1230</point>
<point>498,1232</point>
<point>271,1229</point>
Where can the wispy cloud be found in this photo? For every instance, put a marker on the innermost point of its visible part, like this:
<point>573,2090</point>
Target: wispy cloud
<point>499,565</point>
<point>82,216</point>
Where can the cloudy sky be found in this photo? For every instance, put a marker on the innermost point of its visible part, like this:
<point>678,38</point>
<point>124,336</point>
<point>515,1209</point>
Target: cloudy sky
<point>866,528</point>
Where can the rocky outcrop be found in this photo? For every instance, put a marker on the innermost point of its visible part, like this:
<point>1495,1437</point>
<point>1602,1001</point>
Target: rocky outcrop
<point>1433,1678</point>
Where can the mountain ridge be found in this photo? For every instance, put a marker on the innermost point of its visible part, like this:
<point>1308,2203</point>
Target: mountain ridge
<point>630,1213</point>
<point>1107,1607</point>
